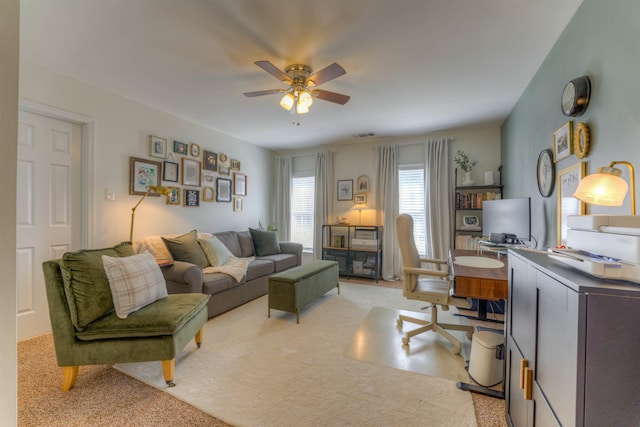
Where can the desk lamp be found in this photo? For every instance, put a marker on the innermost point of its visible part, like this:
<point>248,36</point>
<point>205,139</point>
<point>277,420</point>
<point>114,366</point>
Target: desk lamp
<point>163,191</point>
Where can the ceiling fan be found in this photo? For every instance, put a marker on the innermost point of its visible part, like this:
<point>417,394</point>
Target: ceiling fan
<point>302,82</point>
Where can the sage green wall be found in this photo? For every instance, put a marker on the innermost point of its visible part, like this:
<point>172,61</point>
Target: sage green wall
<point>601,41</point>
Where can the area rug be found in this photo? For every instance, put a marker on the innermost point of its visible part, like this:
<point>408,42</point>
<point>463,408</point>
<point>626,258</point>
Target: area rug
<point>259,371</point>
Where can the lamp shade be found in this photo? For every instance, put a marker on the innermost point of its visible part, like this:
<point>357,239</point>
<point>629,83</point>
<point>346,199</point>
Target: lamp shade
<point>287,101</point>
<point>604,188</point>
<point>305,99</point>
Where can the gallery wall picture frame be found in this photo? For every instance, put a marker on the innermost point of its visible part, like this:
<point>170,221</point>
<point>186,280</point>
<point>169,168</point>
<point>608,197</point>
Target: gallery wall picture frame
<point>195,150</point>
<point>223,170</point>
<point>362,184</point>
<point>208,178</point>
<point>170,171</point>
<point>190,172</point>
<point>180,148</point>
<point>174,196</point>
<point>238,204</point>
<point>210,160</point>
<point>142,174</point>
<point>360,198</point>
<point>239,184</point>
<point>157,147</point>
<point>191,198</point>
<point>345,189</point>
<point>563,142</point>
<point>223,190</point>
<point>567,182</point>
<point>208,194</point>
<point>235,164</point>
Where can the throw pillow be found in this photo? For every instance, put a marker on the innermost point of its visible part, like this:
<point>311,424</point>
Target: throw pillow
<point>186,248</point>
<point>86,286</point>
<point>265,242</point>
<point>215,251</point>
<point>135,281</point>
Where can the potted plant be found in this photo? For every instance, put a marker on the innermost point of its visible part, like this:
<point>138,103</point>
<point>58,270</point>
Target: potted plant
<point>466,164</point>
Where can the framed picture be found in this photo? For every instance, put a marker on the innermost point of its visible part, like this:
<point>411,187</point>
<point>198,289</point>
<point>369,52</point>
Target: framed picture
<point>223,190</point>
<point>363,183</point>
<point>235,164</point>
<point>237,204</point>
<point>345,189</point>
<point>142,174</point>
<point>360,198</point>
<point>174,196</point>
<point>170,172</point>
<point>190,172</point>
<point>195,150</point>
<point>210,160</point>
<point>239,184</point>
<point>208,178</point>
<point>157,147</point>
<point>208,194</point>
<point>191,198</point>
<point>223,170</point>
<point>180,148</point>
<point>568,180</point>
<point>563,142</point>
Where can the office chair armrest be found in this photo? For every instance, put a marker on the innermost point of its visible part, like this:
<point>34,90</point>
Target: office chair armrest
<point>425,271</point>
<point>433,260</point>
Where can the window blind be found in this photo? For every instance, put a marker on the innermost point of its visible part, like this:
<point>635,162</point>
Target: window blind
<point>412,202</point>
<point>302,210</point>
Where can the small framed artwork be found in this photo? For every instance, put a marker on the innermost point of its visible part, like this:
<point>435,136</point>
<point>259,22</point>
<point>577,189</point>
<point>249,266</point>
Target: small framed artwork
<point>345,189</point>
<point>157,147</point>
<point>142,174</point>
<point>208,178</point>
<point>239,184</point>
<point>223,190</point>
<point>360,198</point>
<point>170,172</point>
<point>174,196</point>
<point>223,170</point>
<point>363,183</point>
<point>235,164</point>
<point>195,150</point>
<point>563,142</point>
<point>210,160</point>
<point>180,148</point>
<point>237,204</point>
<point>223,159</point>
<point>190,172</point>
<point>191,198</point>
<point>568,180</point>
<point>208,194</point>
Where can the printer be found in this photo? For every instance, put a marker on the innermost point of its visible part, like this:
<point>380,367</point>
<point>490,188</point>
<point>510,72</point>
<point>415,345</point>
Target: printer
<point>605,246</point>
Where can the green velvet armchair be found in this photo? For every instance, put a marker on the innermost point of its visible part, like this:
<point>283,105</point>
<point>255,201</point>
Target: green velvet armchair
<point>87,331</point>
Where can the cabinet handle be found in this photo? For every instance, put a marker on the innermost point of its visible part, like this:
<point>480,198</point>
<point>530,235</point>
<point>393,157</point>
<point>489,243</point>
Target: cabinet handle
<point>524,363</point>
<point>528,384</point>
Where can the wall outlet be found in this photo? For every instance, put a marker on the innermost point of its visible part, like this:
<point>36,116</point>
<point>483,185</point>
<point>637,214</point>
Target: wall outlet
<point>110,194</point>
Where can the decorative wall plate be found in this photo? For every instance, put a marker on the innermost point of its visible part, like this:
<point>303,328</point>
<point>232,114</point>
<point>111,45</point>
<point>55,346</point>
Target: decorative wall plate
<point>581,140</point>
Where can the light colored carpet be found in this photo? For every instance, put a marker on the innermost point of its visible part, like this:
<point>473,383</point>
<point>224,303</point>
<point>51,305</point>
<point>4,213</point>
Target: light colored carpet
<point>255,371</point>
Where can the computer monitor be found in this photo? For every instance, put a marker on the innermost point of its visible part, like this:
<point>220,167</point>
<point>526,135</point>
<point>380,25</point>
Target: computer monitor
<point>507,216</point>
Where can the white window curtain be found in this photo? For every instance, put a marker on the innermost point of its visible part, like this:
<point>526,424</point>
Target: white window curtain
<point>387,209</point>
<point>323,198</point>
<point>283,198</point>
<point>439,198</point>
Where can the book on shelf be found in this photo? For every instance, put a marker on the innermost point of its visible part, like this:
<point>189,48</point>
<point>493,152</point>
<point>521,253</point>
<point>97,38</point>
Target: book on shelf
<point>465,241</point>
<point>474,200</point>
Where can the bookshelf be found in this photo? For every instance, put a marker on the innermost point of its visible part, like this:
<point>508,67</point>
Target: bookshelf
<point>356,248</point>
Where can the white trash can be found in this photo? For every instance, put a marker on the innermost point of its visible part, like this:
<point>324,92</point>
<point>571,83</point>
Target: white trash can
<point>487,358</point>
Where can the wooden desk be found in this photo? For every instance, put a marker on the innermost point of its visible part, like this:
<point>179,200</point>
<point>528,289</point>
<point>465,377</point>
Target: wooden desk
<point>477,282</point>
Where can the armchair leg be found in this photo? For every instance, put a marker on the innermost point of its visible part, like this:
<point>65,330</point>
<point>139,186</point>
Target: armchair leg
<point>199,336</point>
<point>168,368</point>
<point>69,375</point>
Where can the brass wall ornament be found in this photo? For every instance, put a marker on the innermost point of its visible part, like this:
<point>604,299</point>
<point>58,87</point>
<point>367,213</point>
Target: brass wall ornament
<point>581,140</point>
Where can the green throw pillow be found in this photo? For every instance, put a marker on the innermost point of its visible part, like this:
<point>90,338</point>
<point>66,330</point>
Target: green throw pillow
<point>215,251</point>
<point>265,242</point>
<point>186,248</point>
<point>86,286</point>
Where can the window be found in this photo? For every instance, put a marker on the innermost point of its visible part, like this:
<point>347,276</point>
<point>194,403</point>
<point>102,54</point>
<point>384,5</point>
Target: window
<point>412,202</point>
<point>302,209</point>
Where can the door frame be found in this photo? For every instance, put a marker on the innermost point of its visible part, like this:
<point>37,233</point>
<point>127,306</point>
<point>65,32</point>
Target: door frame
<point>87,162</point>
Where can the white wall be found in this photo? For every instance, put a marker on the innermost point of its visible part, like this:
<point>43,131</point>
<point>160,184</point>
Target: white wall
<point>122,129</point>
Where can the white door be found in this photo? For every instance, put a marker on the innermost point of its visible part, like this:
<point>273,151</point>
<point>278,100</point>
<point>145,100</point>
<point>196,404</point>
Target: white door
<point>48,210</point>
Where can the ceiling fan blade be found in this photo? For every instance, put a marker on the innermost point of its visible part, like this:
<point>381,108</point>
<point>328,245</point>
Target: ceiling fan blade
<point>328,73</point>
<point>274,71</point>
<point>325,95</point>
<point>263,92</point>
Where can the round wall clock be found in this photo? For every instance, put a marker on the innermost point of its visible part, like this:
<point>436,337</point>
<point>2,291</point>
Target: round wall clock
<point>581,140</point>
<point>546,173</point>
<point>575,96</point>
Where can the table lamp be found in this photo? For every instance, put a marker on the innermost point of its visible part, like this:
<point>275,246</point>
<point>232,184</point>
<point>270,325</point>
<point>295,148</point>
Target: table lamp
<point>163,191</point>
<point>360,207</point>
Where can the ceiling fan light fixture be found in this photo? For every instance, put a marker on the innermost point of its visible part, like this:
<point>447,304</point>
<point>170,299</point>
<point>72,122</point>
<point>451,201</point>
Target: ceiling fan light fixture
<point>302,109</point>
<point>287,101</point>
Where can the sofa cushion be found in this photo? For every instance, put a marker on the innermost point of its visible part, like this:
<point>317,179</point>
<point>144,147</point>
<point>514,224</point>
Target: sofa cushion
<point>215,251</point>
<point>135,282</point>
<point>265,242</point>
<point>258,268</point>
<point>214,283</point>
<point>246,244</point>
<point>282,261</point>
<point>186,248</point>
<point>230,240</point>
<point>86,286</point>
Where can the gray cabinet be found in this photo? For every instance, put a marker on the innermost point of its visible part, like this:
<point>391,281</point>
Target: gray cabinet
<point>572,346</point>
<point>356,248</point>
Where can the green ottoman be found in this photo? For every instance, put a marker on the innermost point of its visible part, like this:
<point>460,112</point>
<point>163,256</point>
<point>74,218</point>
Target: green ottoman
<point>292,289</point>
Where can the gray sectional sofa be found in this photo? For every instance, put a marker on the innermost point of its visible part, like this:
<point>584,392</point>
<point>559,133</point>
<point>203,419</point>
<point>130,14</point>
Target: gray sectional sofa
<point>226,292</point>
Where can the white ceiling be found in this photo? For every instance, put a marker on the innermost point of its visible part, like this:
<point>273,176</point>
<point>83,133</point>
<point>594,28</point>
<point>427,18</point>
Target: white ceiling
<point>413,66</point>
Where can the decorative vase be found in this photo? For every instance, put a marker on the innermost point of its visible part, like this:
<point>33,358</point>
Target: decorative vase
<point>468,179</point>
